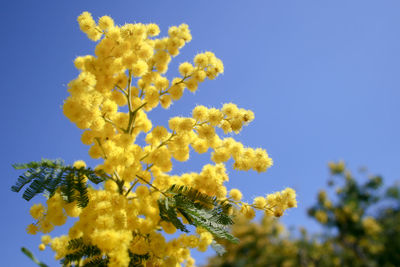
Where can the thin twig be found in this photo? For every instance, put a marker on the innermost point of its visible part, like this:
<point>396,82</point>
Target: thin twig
<point>132,186</point>
<point>150,184</point>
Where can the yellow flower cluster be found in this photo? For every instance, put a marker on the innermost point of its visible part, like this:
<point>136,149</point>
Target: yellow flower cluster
<point>110,99</point>
<point>54,215</point>
<point>371,226</point>
<point>321,216</point>
<point>337,167</point>
<point>273,204</point>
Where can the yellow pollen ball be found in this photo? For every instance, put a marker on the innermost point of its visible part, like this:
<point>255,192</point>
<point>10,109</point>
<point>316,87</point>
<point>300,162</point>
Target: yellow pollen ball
<point>106,23</point>
<point>139,69</point>
<point>79,164</point>
<point>185,69</point>
<point>235,194</point>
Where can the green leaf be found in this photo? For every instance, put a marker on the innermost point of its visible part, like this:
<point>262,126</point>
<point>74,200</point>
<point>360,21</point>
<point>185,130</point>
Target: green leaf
<point>207,219</point>
<point>137,259</point>
<point>81,251</point>
<point>198,197</point>
<point>81,188</point>
<point>198,209</point>
<point>97,262</point>
<point>168,213</point>
<point>47,176</point>
<point>30,255</point>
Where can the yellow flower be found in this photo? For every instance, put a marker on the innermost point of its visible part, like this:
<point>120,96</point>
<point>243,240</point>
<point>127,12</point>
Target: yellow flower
<point>235,194</point>
<point>37,211</point>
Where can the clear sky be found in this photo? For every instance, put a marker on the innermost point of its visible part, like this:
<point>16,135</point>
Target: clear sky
<point>322,78</point>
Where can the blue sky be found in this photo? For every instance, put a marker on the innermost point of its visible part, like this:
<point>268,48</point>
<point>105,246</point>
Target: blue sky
<point>321,77</point>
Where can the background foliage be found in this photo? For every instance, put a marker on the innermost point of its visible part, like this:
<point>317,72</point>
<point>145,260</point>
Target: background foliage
<point>360,223</point>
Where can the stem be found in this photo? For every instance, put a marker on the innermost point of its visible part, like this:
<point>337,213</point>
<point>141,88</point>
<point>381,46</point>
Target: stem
<point>181,81</point>
<point>101,147</point>
<point>132,186</point>
<point>200,124</point>
<point>111,122</point>
<point>167,140</point>
<point>119,182</point>
<point>129,96</point>
<point>149,167</point>
<point>117,175</point>
<point>122,90</point>
<point>237,203</point>
<point>160,145</point>
<point>132,116</point>
<point>150,184</point>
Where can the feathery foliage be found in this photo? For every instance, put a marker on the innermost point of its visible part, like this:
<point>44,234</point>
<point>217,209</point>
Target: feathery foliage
<point>96,262</point>
<point>137,260</point>
<point>47,176</point>
<point>93,255</point>
<point>198,209</point>
<point>81,251</point>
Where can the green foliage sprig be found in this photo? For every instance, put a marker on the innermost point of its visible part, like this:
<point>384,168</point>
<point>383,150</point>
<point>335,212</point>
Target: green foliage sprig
<point>198,209</point>
<point>47,176</point>
<point>30,255</point>
<point>94,256</point>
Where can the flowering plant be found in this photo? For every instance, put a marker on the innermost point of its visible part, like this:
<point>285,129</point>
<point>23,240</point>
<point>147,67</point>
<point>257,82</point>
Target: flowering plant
<point>120,220</point>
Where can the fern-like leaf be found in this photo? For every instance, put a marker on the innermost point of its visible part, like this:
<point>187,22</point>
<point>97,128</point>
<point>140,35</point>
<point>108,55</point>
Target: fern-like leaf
<point>198,197</point>
<point>47,176</point>
<point>137,259</point>
<point>97,262</point>
<point>81,251</point>
<point>198,209</point>
<point>208,219</point>
<point>168,213</point>
<point>81,188</point>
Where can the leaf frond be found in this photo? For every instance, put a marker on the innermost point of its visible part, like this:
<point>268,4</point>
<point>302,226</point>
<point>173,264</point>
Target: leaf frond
<point>47,176</point>
<point>81,251</point>
<point>137,259</point>
<point>199,209</point>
